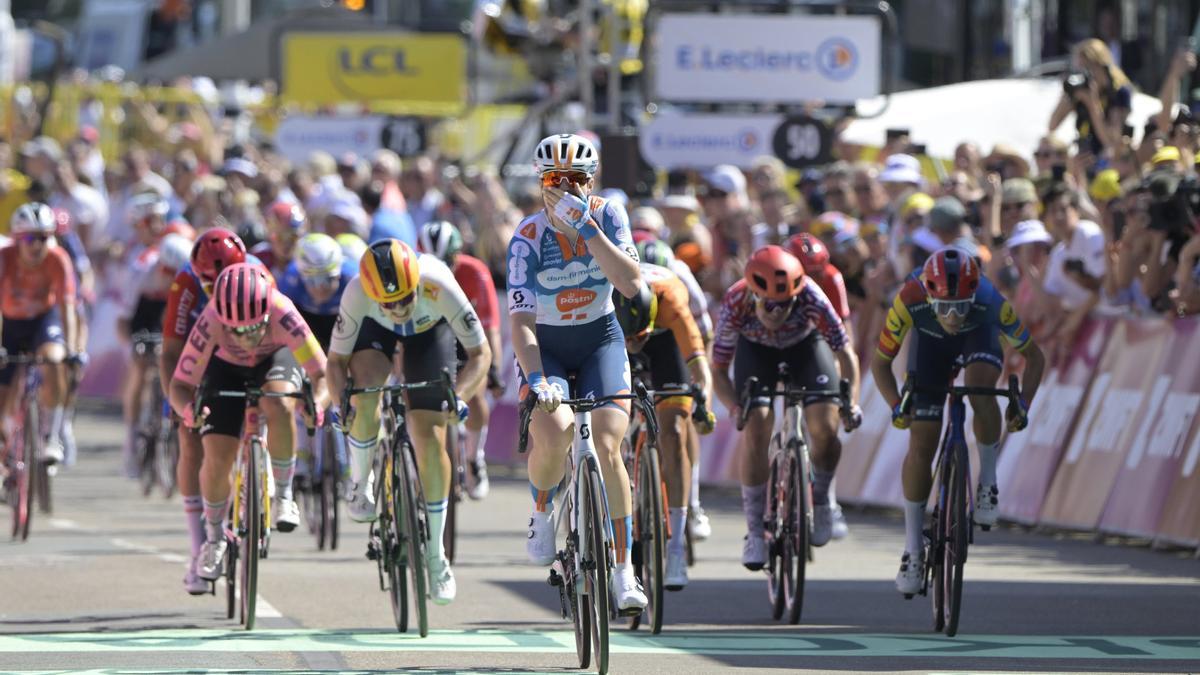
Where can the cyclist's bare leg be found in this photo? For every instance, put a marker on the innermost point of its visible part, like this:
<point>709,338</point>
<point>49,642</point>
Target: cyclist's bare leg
<point>918,478</point>
<point>550,436</point>
<point>428,431</point>
<point>673,432</point>
<point>822,420</point>
<point>609,425</point>
<point>369,369</point>
<point>53,392</point>
<point>987,422</point>
<point>219,453</point>
<point>756,438</point>
<point>187,475</point>
<point>480,411</point>
<point>281,435</point>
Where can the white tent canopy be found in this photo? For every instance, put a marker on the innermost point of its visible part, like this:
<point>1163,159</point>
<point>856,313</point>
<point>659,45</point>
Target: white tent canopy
<point>986,112</point>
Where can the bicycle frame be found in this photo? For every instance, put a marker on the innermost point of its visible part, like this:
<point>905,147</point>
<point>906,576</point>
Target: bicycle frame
<point>28,380</point>
<point>582,448</point>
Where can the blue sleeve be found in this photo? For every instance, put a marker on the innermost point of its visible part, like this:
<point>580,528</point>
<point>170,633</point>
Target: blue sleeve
<point>291,285</point>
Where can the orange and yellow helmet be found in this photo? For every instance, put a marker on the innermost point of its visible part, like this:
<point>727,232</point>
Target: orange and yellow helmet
<point>388,271</point>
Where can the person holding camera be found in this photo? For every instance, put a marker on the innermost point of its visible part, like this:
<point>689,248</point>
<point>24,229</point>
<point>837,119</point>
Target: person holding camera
<point>1099,93</point>
<point>1077,264</point>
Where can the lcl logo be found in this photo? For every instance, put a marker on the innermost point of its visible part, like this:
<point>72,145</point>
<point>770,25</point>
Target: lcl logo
<point>373,60</point>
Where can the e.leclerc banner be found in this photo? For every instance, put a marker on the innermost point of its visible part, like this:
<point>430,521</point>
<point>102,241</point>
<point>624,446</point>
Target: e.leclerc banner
<point>1117,401</point>
<point>1028,459</point>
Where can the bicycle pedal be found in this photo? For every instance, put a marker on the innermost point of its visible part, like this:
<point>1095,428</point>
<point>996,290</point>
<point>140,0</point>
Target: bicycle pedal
<point>986,528</point>
<point>908,596</point>
<point>630,611</point>
<point>372,551</point>
<point>555,579</point>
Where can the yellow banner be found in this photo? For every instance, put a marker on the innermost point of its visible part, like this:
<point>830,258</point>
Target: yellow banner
<point>374,69</point>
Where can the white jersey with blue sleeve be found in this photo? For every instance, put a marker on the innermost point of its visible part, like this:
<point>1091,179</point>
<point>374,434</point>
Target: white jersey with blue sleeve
<point>558,281</point>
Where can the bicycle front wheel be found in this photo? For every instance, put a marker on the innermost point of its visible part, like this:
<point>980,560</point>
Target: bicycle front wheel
<point>251,533</point>
<point>451,531</point>
<point>409,508</point>
<point>329,489</point>
<point>650,536</point>
<point>596,568</point>
<point>796,531</point>
<point>392,559</point>
<point>24,485</point>
<point>778,493</point>
<point>958,523</point>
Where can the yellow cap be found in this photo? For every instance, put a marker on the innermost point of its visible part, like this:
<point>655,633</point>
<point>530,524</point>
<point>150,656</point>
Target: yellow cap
<point>1106,185</point>
<point>918,201</point>
<point>1167,153</point>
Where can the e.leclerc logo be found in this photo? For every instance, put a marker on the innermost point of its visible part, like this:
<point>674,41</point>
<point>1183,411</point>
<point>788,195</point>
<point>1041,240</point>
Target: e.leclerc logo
<point>837,58</point>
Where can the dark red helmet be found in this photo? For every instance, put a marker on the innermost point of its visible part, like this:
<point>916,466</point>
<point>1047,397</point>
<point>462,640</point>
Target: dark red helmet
<point>287,216</point>
<point>215,250</point>
<point>774,274</point>
<point>950,274</point>
<point>810,250</point>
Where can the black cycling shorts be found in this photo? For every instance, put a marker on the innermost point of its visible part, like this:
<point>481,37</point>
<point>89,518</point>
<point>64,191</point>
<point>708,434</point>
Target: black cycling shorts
<point>425,355</point>
<point>226,415</point>
<point>662,362</point>
<point>148,316</point>
<point>931,361</point>
<point>25,336</point>
<point>811,364</point>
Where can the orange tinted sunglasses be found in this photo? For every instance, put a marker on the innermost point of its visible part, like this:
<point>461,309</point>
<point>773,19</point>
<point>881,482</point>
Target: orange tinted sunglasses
<point>553,178</point>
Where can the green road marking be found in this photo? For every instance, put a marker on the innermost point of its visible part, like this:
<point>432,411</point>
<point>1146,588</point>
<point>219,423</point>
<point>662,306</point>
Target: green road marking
<point>683,642</point>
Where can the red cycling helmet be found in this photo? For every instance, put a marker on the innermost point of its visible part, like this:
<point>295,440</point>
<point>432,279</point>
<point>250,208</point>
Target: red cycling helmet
<point>811,252</point>
<point>216,249</point>
<point>243,295</point>
<point>950,274</point>
<point>286,215</point>
<point>774,274</point>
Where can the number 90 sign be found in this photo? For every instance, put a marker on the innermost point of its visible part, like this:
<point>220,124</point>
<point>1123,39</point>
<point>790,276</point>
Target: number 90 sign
<point>802,141</point>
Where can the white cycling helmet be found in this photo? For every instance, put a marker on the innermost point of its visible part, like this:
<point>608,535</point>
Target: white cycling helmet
<point>34,217</point>
<point>441,239</point>
<point>147,204</point>
<point>353,246</point>
<point>318,255</point>
<point>566,152</point>
<point>174,251</point>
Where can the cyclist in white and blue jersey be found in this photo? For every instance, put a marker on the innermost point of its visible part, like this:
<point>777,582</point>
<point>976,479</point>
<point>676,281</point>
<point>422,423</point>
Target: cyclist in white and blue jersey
<point>314,281</point>
<point>563,263</point>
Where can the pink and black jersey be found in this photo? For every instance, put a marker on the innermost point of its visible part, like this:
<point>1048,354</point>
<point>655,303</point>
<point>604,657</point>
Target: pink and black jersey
<point>812,311</point>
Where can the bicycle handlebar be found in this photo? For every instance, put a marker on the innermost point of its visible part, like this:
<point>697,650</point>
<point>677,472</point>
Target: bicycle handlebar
<point>641,395</point>
<point>21,359</point>
<point>1012,393</point>
<point>444,382</point>
<point>253,394</point>
<point>842,393</point>
<point>700,407</point>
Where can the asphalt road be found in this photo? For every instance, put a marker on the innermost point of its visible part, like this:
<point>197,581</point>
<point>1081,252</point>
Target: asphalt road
<point>97,587</point>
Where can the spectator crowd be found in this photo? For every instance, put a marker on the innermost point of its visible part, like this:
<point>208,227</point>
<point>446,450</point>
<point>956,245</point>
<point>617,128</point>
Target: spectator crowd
<point>1100,225</point>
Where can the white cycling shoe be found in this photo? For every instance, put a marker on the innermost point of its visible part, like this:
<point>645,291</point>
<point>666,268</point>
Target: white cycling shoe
<point>287,514</point>
<point>911,574</point>
<point>193,583</point>
<point>442,588</point>
<point>631,599</point>
<point>477,479</point>
<point>987,505</point>
<point>51,451</point>
<point>754,552</point>
<point>361,505</point>
<point>840,529</point>
<point>698,524</point>
<point>212,557</point>
<point>539,544</point>
<point>677,576</point>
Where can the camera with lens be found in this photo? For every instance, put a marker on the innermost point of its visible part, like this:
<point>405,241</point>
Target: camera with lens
<point>1074,81</point>
<point>1174,204</point>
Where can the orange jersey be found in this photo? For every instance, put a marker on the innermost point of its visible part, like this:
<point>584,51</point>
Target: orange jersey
<point>674,311</point>
<point>30,291</point>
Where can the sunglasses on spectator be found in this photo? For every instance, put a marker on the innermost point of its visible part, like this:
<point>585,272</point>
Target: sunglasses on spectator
<point>554,178</point>
<point>862,188</point>
<point>399,304</point>
<point>243,331</point>
<point>31,238</point>
<point>713,193</point>
<point>1013,206</point>
<point>948,308</point>
<point>1050,153</point>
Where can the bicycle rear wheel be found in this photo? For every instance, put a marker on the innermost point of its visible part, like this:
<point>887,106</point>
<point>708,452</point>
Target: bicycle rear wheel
<point>410,508</point>
<point>958,522</point>
<point>650,537</point>
<point>329,489</point>
<point>796,540</point>
<point>231,575</point>
<point>581,603</point>
<point>43,475</point>
<point>596,566</point>
<point>252,524</point>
